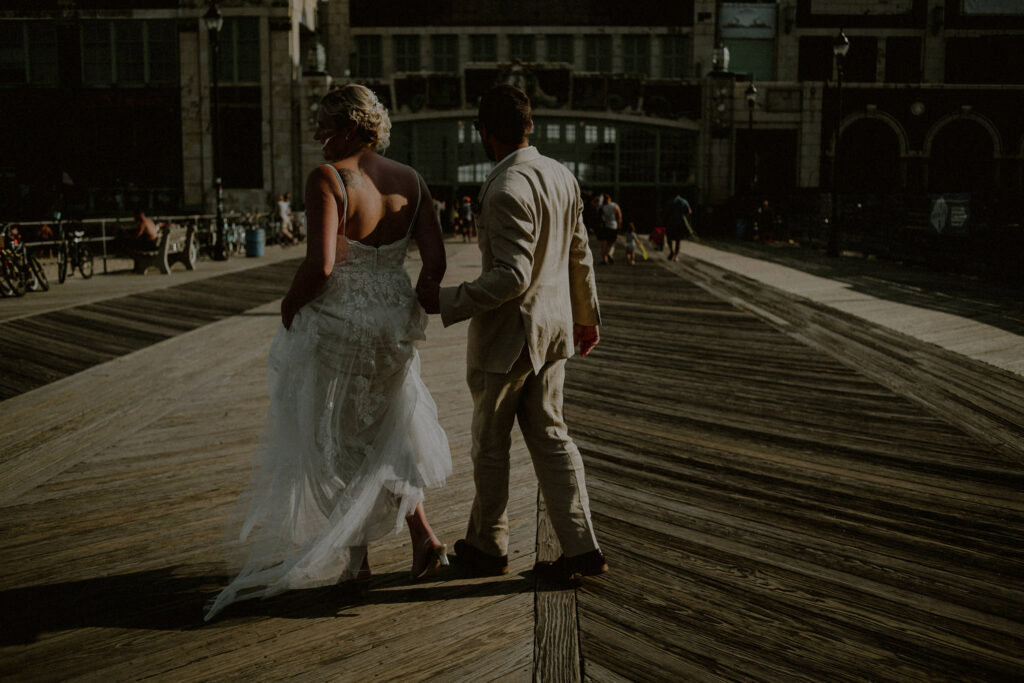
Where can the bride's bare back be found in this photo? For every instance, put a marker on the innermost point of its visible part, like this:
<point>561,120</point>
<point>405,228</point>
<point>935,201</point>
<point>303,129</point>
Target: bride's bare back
<point>382,195</point>
<point>381,209</point>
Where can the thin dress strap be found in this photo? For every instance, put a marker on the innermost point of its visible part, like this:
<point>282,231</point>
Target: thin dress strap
<point>344,197</point>
<point>419,198</point>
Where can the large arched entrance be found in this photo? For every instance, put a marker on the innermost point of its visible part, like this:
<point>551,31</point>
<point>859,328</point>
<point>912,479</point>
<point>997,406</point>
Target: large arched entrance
<point>870,178</point>
<point>962,158</point>
<point>869,158</point>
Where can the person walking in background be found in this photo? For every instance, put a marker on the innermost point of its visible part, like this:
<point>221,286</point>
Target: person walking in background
<point>676,225</point>
<point>466,220</point>
<point>440,210</point>
<point>591,210</point>
<point>765,226</point>
<point>284,215</point>
<point>534,301</point>
<point>610,217</point>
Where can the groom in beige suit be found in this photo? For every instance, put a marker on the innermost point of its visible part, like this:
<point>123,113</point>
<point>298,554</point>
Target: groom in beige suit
<point>534,301</point>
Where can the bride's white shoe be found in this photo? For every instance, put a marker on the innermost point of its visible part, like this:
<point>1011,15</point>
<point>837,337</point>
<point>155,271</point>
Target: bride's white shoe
<point>436,557</point>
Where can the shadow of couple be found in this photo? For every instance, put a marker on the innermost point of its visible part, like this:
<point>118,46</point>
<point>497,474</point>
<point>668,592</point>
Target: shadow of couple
<point>173,599</point>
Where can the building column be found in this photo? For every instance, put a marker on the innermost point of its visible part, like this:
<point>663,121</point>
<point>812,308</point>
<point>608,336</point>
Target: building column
<point>810,142</point>
<point>703,36</point>
<point>309,92</point>
<point>196,129</point>
<point>280,94</point>
<point>934,58</point>
<point>336,35</point>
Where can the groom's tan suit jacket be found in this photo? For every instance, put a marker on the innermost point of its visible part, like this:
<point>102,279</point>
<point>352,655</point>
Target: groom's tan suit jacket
<point>538,275</point>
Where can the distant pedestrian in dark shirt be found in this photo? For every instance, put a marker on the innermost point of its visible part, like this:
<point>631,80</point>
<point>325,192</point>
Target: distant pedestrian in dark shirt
<point>675,226</point>
<point>467,220</point>
<point>765,228</point>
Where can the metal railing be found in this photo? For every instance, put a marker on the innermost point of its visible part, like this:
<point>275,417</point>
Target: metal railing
<point>105,230</point>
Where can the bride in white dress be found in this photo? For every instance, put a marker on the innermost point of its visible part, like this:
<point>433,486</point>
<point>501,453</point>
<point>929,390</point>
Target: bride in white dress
<point>352,437</point>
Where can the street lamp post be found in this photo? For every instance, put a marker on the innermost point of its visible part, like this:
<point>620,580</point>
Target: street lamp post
<point>751,94</point>
<point>214,21</point>
<point>840,46</point>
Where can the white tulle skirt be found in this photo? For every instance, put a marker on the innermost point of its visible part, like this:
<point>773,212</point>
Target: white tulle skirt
<point>351,439</point>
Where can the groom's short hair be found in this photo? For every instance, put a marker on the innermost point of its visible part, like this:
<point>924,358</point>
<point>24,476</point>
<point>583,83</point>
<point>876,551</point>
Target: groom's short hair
<point>505,112</point>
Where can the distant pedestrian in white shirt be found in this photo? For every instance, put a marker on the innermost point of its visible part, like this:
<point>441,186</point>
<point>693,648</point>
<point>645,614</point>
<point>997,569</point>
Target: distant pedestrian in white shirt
<point>284,213</point>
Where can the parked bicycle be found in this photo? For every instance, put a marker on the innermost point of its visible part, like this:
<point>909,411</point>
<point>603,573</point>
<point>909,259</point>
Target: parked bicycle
<point>208,241</point>
<point>73,252</point>
<point>235,233</point>
<point>20,271</point>
<point>12,281</point>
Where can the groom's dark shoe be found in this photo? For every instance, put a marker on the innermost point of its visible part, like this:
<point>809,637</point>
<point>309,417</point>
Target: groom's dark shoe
<point>478,563</point>
<point>572,569</point>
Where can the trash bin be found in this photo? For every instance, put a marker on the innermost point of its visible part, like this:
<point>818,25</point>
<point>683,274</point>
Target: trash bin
<point>255,241</point>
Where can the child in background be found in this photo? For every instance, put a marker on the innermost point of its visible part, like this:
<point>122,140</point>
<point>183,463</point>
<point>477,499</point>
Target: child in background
<point>631,244</point>
<point>657,237</point>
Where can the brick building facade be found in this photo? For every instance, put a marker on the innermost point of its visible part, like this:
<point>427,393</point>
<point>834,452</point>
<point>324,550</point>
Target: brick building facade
<point>115,95</point>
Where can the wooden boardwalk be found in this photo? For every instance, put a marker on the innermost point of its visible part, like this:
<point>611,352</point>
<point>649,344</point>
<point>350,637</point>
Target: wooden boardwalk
<point>775,505</point>
<point>41,348</point>
<point>781,515</point>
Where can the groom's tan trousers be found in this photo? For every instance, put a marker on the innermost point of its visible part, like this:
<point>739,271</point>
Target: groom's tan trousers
<point>536,399</point>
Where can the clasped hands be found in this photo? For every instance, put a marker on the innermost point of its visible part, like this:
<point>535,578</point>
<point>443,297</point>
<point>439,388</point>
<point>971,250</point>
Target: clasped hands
<point>428,290</point>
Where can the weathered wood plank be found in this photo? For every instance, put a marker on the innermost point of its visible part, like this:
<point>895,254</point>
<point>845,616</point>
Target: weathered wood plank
<point>556,638</point>
<point>785,515</point>
<point>770,511</point>
<point>59,343</point>
<point>112,538</point>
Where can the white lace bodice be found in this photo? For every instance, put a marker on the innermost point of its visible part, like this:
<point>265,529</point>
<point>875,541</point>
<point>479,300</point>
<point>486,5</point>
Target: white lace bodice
<point>373,270</point>
<point>369,297</point>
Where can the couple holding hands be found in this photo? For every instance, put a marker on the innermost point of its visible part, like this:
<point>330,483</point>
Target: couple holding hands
<point>352,436</point>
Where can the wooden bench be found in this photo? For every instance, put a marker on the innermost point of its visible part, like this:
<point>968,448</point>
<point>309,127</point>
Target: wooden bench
<point>176,245</point>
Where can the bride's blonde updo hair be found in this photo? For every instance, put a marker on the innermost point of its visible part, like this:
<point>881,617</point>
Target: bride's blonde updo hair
<point>359,105</point>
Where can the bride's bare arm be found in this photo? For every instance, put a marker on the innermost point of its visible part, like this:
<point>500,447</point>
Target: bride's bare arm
<point>430,241</point>
<point>321,243</point>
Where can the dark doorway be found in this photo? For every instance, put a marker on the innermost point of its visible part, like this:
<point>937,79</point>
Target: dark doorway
<point>962,159</point>
<point>869,158</point>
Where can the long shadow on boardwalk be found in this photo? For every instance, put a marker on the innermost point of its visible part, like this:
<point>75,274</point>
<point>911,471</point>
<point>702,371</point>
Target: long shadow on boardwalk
<point>770,513</point>
<point>171,599</point>
<point>46,347</point>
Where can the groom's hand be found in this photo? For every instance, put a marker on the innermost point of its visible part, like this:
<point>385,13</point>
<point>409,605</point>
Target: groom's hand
<point>586,337</point>
<point>429,292</point>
